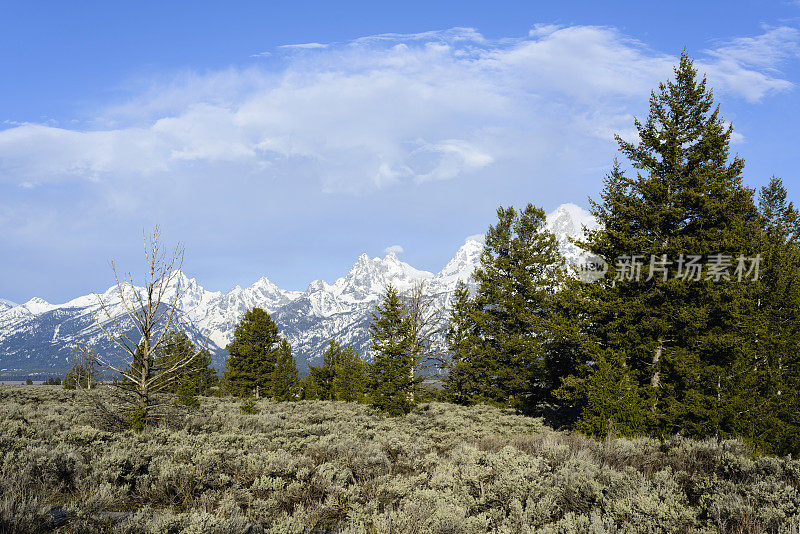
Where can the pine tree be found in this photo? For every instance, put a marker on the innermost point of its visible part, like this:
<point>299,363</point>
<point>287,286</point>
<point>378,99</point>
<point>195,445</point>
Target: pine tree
<point>766,395</point>
<point>341,377</point>
<point>252,354</point>
<point>391,379</point>
<point>285,382</point>
<point>349,377</point>
<point>679,338</point>
<point>319,384</point>
<point>460,384</point>
<point>186,394</point>
<point>519,272</point>
<point>198,376</point>
<point>611,397</point>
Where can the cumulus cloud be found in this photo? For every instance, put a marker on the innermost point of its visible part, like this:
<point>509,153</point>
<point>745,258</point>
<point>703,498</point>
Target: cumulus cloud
<point>381,111</point>
<point>394,249</point>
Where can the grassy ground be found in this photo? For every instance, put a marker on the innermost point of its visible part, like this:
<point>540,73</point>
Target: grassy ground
<point>337,467</point>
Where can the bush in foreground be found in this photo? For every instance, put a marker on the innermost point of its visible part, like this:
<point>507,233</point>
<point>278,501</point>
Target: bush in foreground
<point>343,467</point>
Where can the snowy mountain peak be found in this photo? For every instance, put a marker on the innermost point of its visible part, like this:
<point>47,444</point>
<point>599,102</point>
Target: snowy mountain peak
<point>462,264</point>
<point>569,219</point>
<point>38,306</point>
<point>317,285</point>
<point>567,222</point>
<point>37,333</point>
<point>367,278</point>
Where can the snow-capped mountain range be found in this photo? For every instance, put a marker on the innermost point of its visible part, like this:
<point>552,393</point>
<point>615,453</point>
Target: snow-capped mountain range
<point>38,335</point>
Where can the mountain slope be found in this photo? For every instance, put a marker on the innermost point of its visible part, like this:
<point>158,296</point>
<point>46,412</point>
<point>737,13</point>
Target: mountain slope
<point>38,335</point>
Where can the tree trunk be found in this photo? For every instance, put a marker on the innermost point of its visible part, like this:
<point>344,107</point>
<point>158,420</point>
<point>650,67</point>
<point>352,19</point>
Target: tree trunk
<point>655,380</point>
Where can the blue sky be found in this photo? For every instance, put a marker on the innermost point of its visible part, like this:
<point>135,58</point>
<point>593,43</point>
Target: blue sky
<point>400,125</point>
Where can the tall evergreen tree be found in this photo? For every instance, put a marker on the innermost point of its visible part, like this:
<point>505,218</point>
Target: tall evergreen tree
<point>678,338</point>
<point>766,394</point>
<point>252,354</point>
<point>460,384</point>
<point>391,379</point>
<point>284,381</point>
<point>519,272</point>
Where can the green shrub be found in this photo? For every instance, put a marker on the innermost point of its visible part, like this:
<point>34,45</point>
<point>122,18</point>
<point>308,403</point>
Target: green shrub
<point>345,467</point>
<point>249,407</point>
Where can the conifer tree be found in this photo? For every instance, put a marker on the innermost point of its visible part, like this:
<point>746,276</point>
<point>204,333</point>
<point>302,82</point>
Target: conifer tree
<point>460,384</point>
<point>341,377</point>
<point>518,274</point>
<point>252,355</point>
<point>766,394</point>
<point>678,338</point>
<point>610,396</point>
<point>198,377</point>
<point>285,382</point>
<point>319,384</point>
<point>349,378</point>
<point>186,394</point>
<point>391,381</point>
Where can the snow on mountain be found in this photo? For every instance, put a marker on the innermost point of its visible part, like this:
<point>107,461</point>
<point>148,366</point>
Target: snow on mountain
<point>568,222</point>
<point>218,315</point>
<point>37,334</point>
<point>6,305</point>
<point>38,306</point>
<point>460,267</point>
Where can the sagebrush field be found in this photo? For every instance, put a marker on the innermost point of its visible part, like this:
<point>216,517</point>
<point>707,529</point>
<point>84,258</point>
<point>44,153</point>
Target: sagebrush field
<point>342,467</point>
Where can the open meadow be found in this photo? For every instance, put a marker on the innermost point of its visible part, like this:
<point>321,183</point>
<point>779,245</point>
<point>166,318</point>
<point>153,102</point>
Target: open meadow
<point>315,466</point>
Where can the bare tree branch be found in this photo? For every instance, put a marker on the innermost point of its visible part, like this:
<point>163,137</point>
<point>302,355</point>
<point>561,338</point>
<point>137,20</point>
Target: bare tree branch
<point>154,311</point>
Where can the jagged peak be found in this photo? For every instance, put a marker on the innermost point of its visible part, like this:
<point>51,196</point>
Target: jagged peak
<point>264,282</point>
<point>38,305</point>
<point>317,285</point>
<point>570,219</point>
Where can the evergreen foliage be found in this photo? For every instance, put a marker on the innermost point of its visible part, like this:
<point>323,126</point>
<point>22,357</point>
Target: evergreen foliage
<point>198,376</point>
<point>341,377</point>
<point>186,394</point>
<point>765,397</point>
<point>459,385</point>
<point>499,339</point>
<point>253,353</point>
<point>349,376</point>
<point>391,379</point>
<point>319,383</point>
<point>249,407</point>
<point>285,382</point>
<point>674,341</point>
<point>78,377</point>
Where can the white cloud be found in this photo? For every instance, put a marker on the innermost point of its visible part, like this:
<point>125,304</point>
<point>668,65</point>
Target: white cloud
<point>769,49</point>
<point>394,249</point>
<point>306,46</point>
<point>749,65</point>
<point>384,110</point>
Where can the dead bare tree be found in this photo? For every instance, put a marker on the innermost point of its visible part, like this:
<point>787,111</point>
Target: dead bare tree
<point>427,321</point>
<point>147,316</point>
<point>87,368</point>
